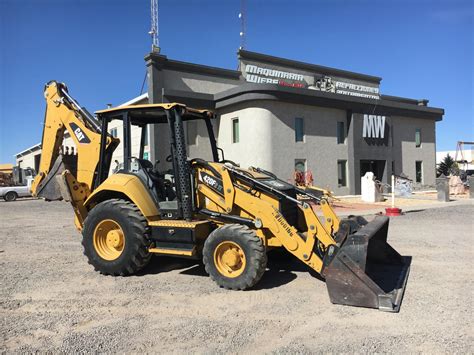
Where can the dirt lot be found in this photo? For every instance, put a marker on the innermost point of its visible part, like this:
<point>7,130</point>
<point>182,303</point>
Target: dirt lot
<point>52,300</point>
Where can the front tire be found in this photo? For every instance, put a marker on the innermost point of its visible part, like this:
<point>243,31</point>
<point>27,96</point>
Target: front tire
<point>234,257</point>
<point>10,196</point>
<point>115,238</point>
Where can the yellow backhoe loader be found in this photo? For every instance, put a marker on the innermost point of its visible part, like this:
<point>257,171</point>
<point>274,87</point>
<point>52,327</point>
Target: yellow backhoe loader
<point>208,209</point>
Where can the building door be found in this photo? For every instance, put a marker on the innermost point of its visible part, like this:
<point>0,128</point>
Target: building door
<point>375,166</point>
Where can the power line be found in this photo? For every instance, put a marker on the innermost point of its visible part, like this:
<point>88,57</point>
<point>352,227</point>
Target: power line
<point>144,81</point>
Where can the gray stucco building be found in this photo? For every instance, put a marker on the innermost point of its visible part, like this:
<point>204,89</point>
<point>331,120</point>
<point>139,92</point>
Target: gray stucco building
<point>281,114</point>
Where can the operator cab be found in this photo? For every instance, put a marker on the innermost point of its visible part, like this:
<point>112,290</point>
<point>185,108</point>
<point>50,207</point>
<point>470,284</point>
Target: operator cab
<point>169,179</point>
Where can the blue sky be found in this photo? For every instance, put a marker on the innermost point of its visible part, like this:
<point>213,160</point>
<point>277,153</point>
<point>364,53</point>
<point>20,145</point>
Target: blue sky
<point>421,49</point>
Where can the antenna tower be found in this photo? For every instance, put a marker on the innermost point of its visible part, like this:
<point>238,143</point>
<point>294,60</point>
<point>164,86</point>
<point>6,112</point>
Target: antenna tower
<point>155,42</point>
<point>243,20</point>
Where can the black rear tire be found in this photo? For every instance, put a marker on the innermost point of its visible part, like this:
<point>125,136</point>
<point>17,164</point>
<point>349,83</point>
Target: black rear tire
<point>10,196</point>
<point>248,243</point>
<point>134,255</point>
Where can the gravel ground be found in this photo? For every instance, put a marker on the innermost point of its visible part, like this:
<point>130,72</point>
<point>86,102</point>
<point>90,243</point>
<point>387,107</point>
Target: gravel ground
<point>52,300</point>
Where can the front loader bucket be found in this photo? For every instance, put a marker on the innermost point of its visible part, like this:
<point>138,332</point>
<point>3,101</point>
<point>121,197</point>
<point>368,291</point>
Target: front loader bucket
<point>50,188</point>
<point>366,271</point>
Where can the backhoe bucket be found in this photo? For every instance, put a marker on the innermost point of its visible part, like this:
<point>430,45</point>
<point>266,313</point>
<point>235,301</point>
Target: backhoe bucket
<point>366,271</point>
<point>50,188</point>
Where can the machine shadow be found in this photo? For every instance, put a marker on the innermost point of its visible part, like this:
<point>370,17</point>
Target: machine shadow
<point>414,211</point>
<point>281,269</point>
<point>275,275</point>
<point>162,264</point>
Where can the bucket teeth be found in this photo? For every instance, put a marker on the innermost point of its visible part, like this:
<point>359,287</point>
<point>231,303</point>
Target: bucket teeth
<point>366,271</point>
<point>49,188</point>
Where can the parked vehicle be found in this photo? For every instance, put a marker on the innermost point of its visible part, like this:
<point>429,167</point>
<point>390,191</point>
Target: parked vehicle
<point>15,175</point>
<point>11,193</point>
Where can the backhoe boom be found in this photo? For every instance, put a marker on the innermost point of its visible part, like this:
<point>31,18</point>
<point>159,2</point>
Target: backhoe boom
<point>56,180</point>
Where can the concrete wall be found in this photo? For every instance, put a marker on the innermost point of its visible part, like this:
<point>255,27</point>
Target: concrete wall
<point>178,80</point>
<point>198,139</point>
<point>267,140</point>
<point>398,146</point>
<point>407,153</point>
<point>28,160</point>
<point>255,136</point>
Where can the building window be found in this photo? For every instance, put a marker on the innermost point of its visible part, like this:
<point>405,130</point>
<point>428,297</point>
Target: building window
<point>191,132</point>
<point>235,130</point>
<point>341,133</point>
<point>342,173</point>
<point>299,129</point>
<point>418,137</point>
<point>419,171</point>
<point>113,132</point>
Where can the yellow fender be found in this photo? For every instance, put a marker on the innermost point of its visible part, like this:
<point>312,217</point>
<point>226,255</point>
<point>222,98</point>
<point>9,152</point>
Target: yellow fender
<point>125,185</point>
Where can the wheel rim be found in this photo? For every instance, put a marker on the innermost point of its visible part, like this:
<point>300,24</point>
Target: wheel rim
<point>229,259</point>
<point>109,240</point>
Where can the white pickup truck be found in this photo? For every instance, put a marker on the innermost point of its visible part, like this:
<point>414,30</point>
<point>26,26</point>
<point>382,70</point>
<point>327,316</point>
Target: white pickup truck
<point>11,193</point>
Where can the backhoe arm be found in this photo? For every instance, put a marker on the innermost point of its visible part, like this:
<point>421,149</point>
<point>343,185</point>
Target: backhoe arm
<point>56,180</point>
<point>303,247</point>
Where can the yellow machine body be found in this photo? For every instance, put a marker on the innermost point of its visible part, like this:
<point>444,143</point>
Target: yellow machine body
<point>128,187</point>
<point>213,210</point>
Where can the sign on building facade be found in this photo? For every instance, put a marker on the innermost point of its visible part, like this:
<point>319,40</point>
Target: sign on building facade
<point>261,73</point>
<point>373,127</point>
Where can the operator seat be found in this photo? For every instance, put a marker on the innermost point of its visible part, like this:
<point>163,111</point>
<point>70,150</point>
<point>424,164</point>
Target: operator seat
<point>156,182</point>
<point>151,178</point>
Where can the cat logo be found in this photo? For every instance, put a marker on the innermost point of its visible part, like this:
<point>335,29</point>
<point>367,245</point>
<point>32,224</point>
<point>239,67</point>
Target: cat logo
<point>80,135</point>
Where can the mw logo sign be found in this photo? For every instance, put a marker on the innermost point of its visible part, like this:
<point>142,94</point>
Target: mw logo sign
<point>374,127</point>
